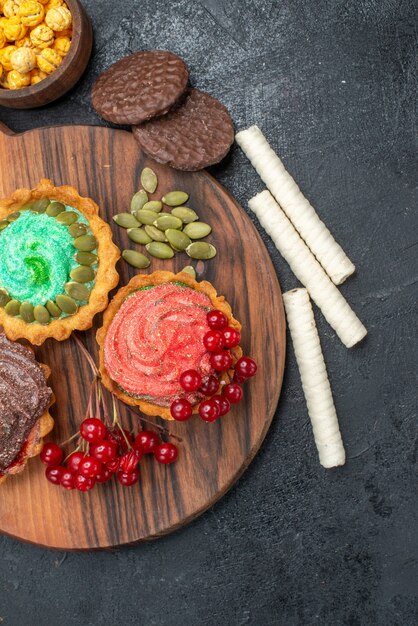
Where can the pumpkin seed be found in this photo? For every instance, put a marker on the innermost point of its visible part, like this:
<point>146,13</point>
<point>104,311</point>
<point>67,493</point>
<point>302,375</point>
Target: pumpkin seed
<point>197,230</point>
<point>153,205</point>
<point>136,259</point>
<point>12,217</point>
<point>159,250</point>
<point>85,243</point>
<point>12,308</point>
<point>201,250</point>
<point>76,291</point>
<point>77,229</point>
<point>4,297</point>
<point>145,217</point>
<point>26,207</point>
<point>175,198</point>
<point>139,235</point>
<point>86,258</point>
<point>26,312</point>
<point>66,304</point>
<point>67,218</point>
<point>41,314</point>
<point>53,309</point>
<point>126,220</point>
<point>53,209</point>
<point>149,179</point>
<point>138,200</point>
<point>185,214</point>
<point>82,274</point>
<point>189,269</point>
<point>165,220</point>
<point>39,206</point>
<point>155,233</point>
<point>178,240</point>
<point>3,224</point>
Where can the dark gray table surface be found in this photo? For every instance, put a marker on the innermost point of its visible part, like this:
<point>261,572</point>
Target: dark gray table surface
<point>332,84</point>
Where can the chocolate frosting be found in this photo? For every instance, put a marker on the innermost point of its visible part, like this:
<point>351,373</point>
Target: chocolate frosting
<point>24,396</point>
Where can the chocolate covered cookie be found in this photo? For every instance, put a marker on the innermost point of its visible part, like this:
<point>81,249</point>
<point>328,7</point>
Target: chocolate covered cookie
<point>140,86</point>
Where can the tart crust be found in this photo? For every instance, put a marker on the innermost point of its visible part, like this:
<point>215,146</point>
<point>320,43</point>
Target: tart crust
<point>106,278</point>
<point>158,278</point>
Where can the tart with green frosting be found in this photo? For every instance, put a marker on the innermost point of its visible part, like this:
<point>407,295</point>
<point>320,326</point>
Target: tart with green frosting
<point>57,263</point>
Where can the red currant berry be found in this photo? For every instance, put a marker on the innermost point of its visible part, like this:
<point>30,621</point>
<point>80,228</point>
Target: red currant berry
<point>246,367</point>
<point>92,429</point>
<point>232,337</point>
<point>147,441</point>
<point>181,410</point>
<point>233,393</point>
<point>209,411</point>
<point>89,467</point>
<point>190,380</point>
<point>67,480</point>
<point>129,461</point>
<point>222,403</point>
<point>115,434</point>
<point>166,453</point>
<point>51,455</point>
<point>221,361</point>
<point>83,483</point>
<point>127,479</point>
<point>239,379</point>
<point>113,465</point>
<point>217,320</point>
<point>213,340</point>
<point>53,474</point>
<point>104,475</point>
<point>73,461</point>
<point>209,386</point>
<point>105,450</point>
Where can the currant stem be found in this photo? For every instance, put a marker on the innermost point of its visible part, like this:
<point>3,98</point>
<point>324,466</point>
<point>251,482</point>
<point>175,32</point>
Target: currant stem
<point>162,430</point>
<point>63,443</point>
<point>87,355</point>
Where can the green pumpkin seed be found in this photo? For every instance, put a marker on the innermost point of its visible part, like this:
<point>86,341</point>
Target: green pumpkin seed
<point>53,309</point>
<point>76,291</point>
<point>82,274</point>
<point>138,235</point>
<point>3,224</point>
<point>26,312</point>
<point>12,308</point>
<point>159,250</point>
<point>67,218</point>
<point>41,314</point>
<point>153,205</point>
<point>12,217</point>
<point>155,234</point>
<point>4,297</point>
<point>189,269</point>
<point>85,243</point>
<point>197,230</point>
<point>39,206</point>
<point>138,200</point>
<point>165,221</point>
<point>178,240</point>
<point>86,258</point>
<point>77,229</point>
<point>126,220</point>
<point>175,198</point>
<point>136,259</point>
<point>145,217</point>
<point>53,209</point>
<point>26,207</point>
<point>66,304</point>
<point>149,179</point>
<point>185,214</point>
<point>201,250</point>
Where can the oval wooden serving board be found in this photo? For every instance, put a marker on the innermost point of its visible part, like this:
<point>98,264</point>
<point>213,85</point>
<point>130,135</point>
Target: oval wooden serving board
<point>105,164</point>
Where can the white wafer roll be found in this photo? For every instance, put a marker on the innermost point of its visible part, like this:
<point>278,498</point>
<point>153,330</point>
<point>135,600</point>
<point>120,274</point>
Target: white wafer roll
<point>313,374</point>
<point>307,269</point>
<point>297,208</point>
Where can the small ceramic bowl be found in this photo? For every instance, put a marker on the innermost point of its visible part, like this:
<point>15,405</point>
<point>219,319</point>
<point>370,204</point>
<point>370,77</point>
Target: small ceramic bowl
<point>68,73</point>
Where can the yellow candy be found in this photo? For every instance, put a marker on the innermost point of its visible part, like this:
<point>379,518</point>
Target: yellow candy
<point>68,32</point>
<point>3,21</point>
<point>1,71</point>
<point>62,45</point>
<point>51,4</point>
<point>31,13</point>
<point>14,29</point>
<point>58,18</point>
<point>43,1</point>
<point>23,60</point>
<point>48,60</point>
<point>11,7</point>
<point>36,76</point>
<point>2,39</point>
<point>25,42</point>
<point>42,36</point>
<point>5,54</point>
<point>17,80</point>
